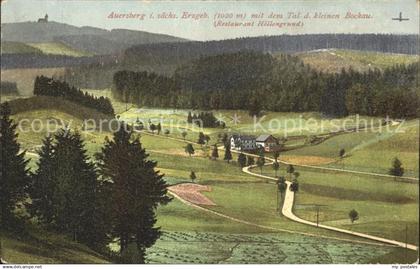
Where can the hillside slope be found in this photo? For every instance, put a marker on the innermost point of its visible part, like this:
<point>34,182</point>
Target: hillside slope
<point>90,39</point>
<point>58,48</point>
<point>56,103</point>
<point>42,247</point>
<point>12,47</point>
<point>334,60</point>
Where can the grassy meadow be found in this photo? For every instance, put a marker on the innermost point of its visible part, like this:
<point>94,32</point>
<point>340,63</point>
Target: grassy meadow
<point>385,206</point>
<point>57,48</point>
<point>25,77</point>
<point>334,60</point>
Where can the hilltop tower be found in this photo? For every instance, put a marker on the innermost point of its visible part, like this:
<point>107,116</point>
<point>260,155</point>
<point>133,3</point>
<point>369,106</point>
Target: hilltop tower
<point>44,20</point>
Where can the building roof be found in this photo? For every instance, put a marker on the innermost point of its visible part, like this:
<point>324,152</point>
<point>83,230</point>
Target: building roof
<point>243,137</point>
<point>263,138</point>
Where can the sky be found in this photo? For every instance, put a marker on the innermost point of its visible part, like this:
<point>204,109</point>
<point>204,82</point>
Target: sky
<point>95,13</point>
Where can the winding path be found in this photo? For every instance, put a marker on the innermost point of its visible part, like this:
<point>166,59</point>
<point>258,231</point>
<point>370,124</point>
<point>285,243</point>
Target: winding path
<point>287,211</point>
<point>328,168</point>
<point>182,200</point>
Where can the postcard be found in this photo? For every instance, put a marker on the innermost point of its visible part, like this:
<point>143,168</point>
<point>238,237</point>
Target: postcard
<point>209,132</point>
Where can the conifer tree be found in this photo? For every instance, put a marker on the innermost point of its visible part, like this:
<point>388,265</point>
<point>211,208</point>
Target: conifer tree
<point>159,128</point>
<point>189,149</point>
<point>76,178</point>
<point>137,190</point>
<point>228,153</point>
<point>14,179</point>
<point>215,153</point>
<point>397,170</point>
<point>201,138</point>
<point>44,184</point>
<point>250,161</point>
<point>193,176</point>
<point>242,159</point>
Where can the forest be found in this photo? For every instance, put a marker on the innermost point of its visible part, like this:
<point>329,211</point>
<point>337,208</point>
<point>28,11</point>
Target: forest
<point>164,58</point>
<point>258,81</point>
<point>8,87</point>
<point>45,86</point>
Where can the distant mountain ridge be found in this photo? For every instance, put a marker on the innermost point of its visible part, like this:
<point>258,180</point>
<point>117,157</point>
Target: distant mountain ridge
<point>86,38</point>
<point>385,43</point>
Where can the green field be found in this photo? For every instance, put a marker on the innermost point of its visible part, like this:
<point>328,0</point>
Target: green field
<point>41,247</point>
<point>385,206</point>
<point>199,247</point>
<point>334,60</point>
<point>57,48</point>
<point>371,151</point>
<point>9,47</point>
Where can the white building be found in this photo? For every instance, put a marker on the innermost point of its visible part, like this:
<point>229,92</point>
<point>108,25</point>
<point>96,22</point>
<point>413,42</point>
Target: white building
<point>242,142</point>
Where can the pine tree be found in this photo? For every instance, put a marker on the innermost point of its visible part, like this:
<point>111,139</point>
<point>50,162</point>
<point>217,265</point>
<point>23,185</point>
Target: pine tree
<point>215,153</point>
<point>44,183</point>
<point>276,167</point>
<point>397,170</point>
<point>294,186</point>
<point>189,117</point>
<point>250,161</point>
<point>261,162</point>
<point>228,153</point>
<point>14,179</point>
<point>137,190</point>
<point>158,128</point>
<point>189,149</point>
<point>242,159</point>
<point>184,134</point>
<point>193,176</point>
<point>225,139</point>
<point>201,138</point>
<point>76,177</point>
<point>341,153</point>
<point>290,170</point>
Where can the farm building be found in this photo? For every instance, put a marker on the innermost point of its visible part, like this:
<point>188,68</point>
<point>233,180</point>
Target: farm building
<point>268,142</point>
<point>242,142</point>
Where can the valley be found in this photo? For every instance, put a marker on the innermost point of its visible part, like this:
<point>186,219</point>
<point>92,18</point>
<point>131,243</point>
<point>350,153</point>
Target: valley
<point>274,149</point>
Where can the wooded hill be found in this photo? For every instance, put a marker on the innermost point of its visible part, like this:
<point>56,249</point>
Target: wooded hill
<point>257,81</point>
<point>91,39</point>
<point>165,58</point>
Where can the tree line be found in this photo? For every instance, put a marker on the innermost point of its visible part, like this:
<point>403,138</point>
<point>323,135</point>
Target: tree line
<point>205,120</point>
<point>96,201</point>
<point>386,43</point>
<point>257,81</point>
<point>49,87</point>
<point>164,58</point>
<point>7,87</point>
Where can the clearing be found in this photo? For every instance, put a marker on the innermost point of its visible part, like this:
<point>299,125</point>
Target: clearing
<point>192,193</point>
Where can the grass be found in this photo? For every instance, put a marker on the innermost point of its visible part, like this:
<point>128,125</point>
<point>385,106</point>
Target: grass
<point>45,103</point>
<point>279,248</point>
<point>43,247</point>
<point>371,151</point>
<point>385,206</point>
<point>25,77</point>
<point>178,217</point>
<point>378,156</point>
<point>57,48</point>
<point>10,47</point>
<point>238,121</point>
<point>333,60</point>
<point>207,171</point>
